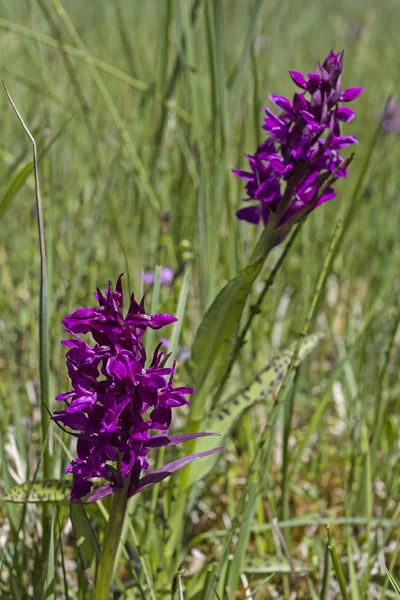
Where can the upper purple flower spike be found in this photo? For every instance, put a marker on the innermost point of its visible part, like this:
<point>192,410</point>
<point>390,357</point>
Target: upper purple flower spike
<point>302,148</point>
<point>116,402</point>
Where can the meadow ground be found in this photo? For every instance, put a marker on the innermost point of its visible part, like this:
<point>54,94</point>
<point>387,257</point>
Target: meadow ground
<point>140,111</point>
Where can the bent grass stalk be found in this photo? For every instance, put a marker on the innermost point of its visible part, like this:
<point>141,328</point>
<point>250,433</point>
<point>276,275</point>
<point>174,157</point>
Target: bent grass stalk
<point>43,331</point>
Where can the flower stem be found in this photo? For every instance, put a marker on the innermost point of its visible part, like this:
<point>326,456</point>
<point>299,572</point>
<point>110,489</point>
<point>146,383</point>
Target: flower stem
<point>112,537</point>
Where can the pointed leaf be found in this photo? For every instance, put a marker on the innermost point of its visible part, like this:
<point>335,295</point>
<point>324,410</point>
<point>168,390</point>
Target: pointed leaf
<point>167,470</point>
<point>101,492</point>
<point>47,490</point>
<point>158,441</point>
<point>263,388</point>
<point>86,541</point>
<point>216,335</point>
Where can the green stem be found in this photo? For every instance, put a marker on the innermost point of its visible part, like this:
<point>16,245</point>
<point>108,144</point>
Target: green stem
<point>336,566</point>
<point>112,538</point>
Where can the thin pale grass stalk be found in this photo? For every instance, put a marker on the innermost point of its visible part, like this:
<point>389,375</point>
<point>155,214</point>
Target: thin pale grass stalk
<point>210,583</point>
<point>43,330</point>
<point>63,566</point>
<point>241,546</point>
<point>326,574</point>
<point>261,584</point>
<point>315,520</point>
<point>7,483</point>
<point>51,559</point>
<point>126,39</point>
<point>353,576</point>
<point>391,568</point>
<point>306,325</point>
<point>366,486</point>
<point>336,566</point>
<point>381,404</point>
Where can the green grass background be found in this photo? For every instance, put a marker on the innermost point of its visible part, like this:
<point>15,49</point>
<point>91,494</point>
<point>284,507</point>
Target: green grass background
<point>140,110</point>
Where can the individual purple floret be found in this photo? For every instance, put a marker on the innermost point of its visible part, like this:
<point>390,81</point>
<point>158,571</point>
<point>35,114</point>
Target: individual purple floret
<point>302,150</point>
<point>117,403</point>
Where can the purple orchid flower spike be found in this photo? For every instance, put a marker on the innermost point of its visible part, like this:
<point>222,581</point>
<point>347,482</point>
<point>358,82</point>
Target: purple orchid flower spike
<point>302,150</point>
<point>117,404</point>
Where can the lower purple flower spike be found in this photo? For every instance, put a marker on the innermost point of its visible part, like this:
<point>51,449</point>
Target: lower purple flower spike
<point>119,408</point>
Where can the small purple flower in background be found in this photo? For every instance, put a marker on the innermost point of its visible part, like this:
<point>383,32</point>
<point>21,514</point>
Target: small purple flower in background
<point>116,402</point>
<point>391,117</point>
<point>302,149</point>
<point>166,276</point>
<point>183,351</point>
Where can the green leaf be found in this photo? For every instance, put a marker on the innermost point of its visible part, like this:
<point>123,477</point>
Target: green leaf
<point>47,490</point>
<point>216,335</point>
<point>86,540</point>
<point>14,186</point>
<point>224,416</point>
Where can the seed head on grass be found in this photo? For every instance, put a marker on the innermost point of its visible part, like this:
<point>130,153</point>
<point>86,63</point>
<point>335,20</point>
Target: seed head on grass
<point>302,150</point>
<point>117,402</point>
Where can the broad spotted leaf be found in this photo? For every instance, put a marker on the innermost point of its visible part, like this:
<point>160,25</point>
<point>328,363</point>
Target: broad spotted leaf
<point>47,490</point>
<point>262,389</point>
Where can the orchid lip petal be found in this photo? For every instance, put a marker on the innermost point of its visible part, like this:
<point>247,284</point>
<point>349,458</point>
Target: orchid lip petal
<point>350,94</point>
<point>298,79</point>
<point>282,102</point>
<point>167,470</point>
<point>100,493</point>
